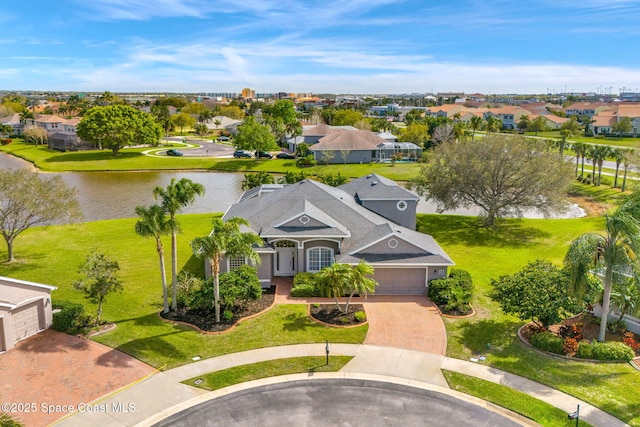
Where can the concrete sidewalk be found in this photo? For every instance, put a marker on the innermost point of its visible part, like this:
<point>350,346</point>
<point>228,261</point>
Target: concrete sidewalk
<point>163,390</point>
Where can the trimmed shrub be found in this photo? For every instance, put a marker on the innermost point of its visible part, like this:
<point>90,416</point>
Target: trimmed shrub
<point>546,341</point>
<point>453,293</point>
<point>585,351</point>
<point>305,286</point>
<point>360,316</point>
<point>69,317</point>
<point>610,351</point>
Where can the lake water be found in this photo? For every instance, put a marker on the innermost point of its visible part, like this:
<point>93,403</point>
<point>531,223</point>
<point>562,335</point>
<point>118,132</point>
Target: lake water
<point>106,195</point>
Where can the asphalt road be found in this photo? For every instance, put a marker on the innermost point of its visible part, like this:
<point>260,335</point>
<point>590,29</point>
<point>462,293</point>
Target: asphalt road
<point>337,402</point>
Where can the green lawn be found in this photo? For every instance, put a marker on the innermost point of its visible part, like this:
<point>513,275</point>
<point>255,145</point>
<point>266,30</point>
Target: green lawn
<point>52,255</point>
<point>270,368</point>
<point>516,401</point>
<point>131,159</point>
<point>612,140</point>
<point>489,253</point>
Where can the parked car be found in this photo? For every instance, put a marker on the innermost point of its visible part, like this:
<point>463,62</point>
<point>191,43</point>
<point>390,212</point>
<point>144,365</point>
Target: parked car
<point>284,155</point>
<point>223,138</point>
<point>174,152</point>
<point>263,155</point>
<point>242,154</point>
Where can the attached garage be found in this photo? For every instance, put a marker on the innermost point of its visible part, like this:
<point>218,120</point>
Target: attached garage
<point>25,310</point>
<point>400,281</point>
<point>27,320</point>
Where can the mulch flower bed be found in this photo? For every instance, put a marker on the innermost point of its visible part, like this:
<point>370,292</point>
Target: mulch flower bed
<point>205,319</point>
<point>586,327</point>
<point>329,313</point>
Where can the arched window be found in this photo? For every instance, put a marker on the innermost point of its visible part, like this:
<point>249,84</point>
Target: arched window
<point>319,258</point>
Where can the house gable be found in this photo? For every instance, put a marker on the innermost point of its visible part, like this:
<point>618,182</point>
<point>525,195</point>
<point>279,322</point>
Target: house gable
<point>391,246</point>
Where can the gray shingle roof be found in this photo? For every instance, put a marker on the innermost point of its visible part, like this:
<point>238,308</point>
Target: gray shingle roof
<point>377,187</point>
<point>342,214</point>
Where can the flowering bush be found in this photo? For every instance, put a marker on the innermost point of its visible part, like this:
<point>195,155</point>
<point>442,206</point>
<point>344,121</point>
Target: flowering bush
<point>570,346</point>
<point>631,341</point>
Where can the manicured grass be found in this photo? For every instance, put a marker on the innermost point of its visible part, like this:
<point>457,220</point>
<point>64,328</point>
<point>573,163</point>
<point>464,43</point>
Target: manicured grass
<point>612,140</point>
<point>516,401</point>
<point>52,255</point>
<point>270,368</point>
<point>131,159</point>
<point>490,253</point>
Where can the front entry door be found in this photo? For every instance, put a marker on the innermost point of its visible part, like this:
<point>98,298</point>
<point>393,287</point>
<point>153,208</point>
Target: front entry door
<point>285,262</point>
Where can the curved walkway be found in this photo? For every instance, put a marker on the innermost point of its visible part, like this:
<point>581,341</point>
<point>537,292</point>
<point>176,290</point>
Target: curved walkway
<point>157,395</point>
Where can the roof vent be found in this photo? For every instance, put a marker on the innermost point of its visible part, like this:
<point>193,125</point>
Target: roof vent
<point>374,183</point>
<point>369,176</point>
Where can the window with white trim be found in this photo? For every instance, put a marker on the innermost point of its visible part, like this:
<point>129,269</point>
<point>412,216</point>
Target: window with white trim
<point>236,262</point>
<point>319,258</point>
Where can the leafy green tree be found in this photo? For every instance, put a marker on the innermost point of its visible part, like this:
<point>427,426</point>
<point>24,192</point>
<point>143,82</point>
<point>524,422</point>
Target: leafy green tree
<point>607,253</point>
<point>101,279</point>
<point>626,296</point>
<point>118,126</point>
<point>252,180</point>
<point>327,156</point>
<point>225,239</point>
<point>254,136</point>
<point>346,117</point>
<point>174,198</point>
<point>500,174</point>
<point>622,126</point>
<point>174,101</point>
<point>302,150</point>
<point>540,292</point>
<point>239,286</point>
<point>194,108</point>
<point>418,133</point>
<point>231,111</point>
<point>291,177</point>
<point>6,129</point>
<point>412,116</point>
<point>333,180</point>
<point>28,199</point>
<point>161,113</point>
<point>524,123</point>
<point>153,222</point>
<point>183,120</point>
<point>538,125</point>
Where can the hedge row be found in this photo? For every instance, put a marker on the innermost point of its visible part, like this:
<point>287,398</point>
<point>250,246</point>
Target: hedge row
<point>613,351</point>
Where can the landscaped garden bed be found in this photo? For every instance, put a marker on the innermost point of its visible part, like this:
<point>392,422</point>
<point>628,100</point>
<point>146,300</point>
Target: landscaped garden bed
<point>576,337</point>
<point>329,313</point>
<point>205,320</point>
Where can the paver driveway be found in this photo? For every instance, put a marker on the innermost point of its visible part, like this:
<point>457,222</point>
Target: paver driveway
<point>51,368</point>
<point>411,322</point>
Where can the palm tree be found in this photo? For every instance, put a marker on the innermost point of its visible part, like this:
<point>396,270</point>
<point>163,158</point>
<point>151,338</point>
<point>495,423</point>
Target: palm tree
<point>176,196</point>
<point>493,124</point>
<point>627,162</point>
<point>600,154</point>
<point>627,296</point>
<point>618,155</point>
<point>613,252</point>
<point>477,123</point>
<point>334,280</point>
<point>225,239</point>
<point>153,222</point>
<point>580,148</point>
<point>591,155</point>
<point>360,283</point>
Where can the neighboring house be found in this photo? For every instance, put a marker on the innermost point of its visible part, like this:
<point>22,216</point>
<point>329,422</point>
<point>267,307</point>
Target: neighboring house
<point>633,112</point>
<point>586,108</point>
<point>603,122</point>
<point>222,123</point>
<point>25,310</point>
<point>13,121</point>
<point>509,115</point>
<point>308,226</point>
<point>62,133</point>
<point>312,134</point>
<point>552,121</point>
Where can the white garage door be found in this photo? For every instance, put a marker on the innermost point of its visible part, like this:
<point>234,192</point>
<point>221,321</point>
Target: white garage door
<point>400,281</point>
<point>26,320</point>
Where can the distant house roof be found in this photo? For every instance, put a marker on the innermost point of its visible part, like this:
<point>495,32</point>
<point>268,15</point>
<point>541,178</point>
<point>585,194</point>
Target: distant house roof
<point>629,110</point>
<point>13,119</point>
<point>555,119</point>
<point>604,119</point>
<point>323,129</point>
<point>49,118</point>
<point>348,140</point>
<point>388,136</point>
<point>224,121</point>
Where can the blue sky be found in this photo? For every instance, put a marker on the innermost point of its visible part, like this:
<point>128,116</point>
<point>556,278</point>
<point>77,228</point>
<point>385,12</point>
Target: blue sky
<point>336,46</point>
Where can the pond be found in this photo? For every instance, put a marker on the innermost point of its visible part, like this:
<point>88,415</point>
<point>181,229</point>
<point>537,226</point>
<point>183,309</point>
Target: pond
<point>107,195</point>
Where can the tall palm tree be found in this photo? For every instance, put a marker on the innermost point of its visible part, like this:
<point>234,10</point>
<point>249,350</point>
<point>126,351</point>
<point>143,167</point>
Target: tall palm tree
<point>360,283</point>
<point>334,281</point>
<point>618,155</point>
<point>493,124</point>
<point>225,239</point>
<point>154,223</point>
<point>591,155</point>
<point>628,156</point>
<point>174,198</point>
<point>600,154</point>
<point>580,148</point>
<point>613,252</point>
<point>476,123</point>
